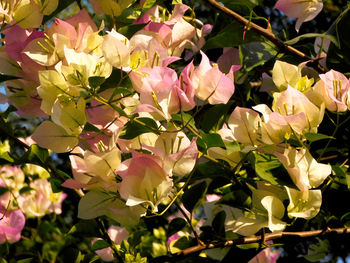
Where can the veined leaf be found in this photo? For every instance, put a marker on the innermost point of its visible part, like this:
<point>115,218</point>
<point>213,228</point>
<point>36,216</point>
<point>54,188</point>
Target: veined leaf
<point>51,136</point>
<point>139,126</point>
<point>295,40</point>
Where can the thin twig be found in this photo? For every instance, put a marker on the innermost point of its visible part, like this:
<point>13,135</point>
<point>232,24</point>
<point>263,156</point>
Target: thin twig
<point>189,221</point>
<point>14,138</point>
<point>266,237</point>
<point>267,33</point>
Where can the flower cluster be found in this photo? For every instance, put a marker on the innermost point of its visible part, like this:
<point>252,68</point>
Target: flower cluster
<point>131,110</point>
<point>20,199</point>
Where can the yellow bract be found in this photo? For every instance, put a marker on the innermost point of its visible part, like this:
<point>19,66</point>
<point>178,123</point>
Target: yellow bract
<point>28,15</point>
<point>69,115</point>
<point>51,136</point>
<point>52,84</point>
<point>284,74</point>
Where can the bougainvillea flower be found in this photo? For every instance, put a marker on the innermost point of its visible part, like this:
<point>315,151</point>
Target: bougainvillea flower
<point>175,33</point>
<point>292,102</point>
<point>12,178</point>
<point>52,136</point>
<point>22,94</point>
<point>185,89</point>
<point>144,181</point>
<point>11,225</point>
<point>267,255</point>
<point>117,235</point>
<point>304,170</point>
<point>267,211</point>
<point>229,57</point>
<point>69,115</point>
<point>96,203</point>
<point>303,10</point>
<point>211,84</point>
<point>158,91</point>
<point>332,90</point>
<point>276,128</point>
<point>40,200</point>
<point>25,13</point>
<point>110,7</point>
<point>232,159</point>
<point>178,153</point>
<point>79,33</point>
<point>244,124</point>
<point>116,49</point>
<point>304,204</point>
<point>95,169</point>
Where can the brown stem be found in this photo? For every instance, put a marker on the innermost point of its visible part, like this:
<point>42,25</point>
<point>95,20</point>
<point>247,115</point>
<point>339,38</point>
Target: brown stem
<point>266,33</point>
<point>265,237</point>
<point>18,141</point>
<point>189,222</point>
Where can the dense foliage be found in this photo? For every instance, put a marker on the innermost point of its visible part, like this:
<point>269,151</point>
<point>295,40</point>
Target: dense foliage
<point>174,131</point>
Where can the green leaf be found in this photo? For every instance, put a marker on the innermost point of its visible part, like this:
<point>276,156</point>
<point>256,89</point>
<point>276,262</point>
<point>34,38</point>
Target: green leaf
<point>338,57</point>
<point>175,2</point>
<point>237,198</point>
<point>241,6</point>
<point>79,257</point>
<point>36,155</point>
<point>25,260</point>
<point>63,174</point>
<point>6,156</point>
<point>85,228</point>
<point>193,196</point>
<point>340,174</point>
<point>345,219</point>
<point>91,128</point>
<point>25,190</point>
<point>249,246</point>
<point>317,252</point>
<point>113,80</point>
<point>7,77</point>
<point>55,185</point>
<point>119,110</point>
<point>214,117</point>
<point>120,90</point>
<point>134,128</point>
<point>96,81</point>
<point>46,229</point>
<point>218,223</point>
<point>210,170</point>
<point>148,4</point>
<point>230,36</point>
<point>270,169</point>
<point>99,244</point>
<point>3,190</point>
<point>130,30</point>
<point>256,54</point>
<point>175,226</point>
<point>312,35</point>
<point>348,180</point>
<point>181,244</point>
<point>184,119</point>
<point>212,140</point>
<point>62,4</point>
<point>232,147</point>
<point>313,137</point>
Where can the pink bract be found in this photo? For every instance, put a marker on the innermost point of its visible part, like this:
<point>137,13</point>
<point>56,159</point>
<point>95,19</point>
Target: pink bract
<point>11,225</point>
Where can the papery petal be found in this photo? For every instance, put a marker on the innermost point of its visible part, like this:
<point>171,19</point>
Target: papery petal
<point>304,204</point>
<point>244,125</point>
